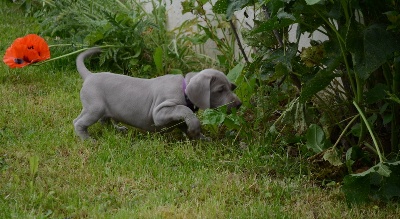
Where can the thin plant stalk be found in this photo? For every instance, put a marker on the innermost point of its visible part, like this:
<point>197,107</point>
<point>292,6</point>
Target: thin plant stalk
<point>71,53</point>
<point>381,158</point>
<point>395,108</point>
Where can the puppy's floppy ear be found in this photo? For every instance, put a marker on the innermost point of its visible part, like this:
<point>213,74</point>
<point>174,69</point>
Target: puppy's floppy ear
<point>198,90</point>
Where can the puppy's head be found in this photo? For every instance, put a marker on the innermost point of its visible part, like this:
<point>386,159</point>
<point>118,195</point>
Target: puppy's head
<point>211,89</point>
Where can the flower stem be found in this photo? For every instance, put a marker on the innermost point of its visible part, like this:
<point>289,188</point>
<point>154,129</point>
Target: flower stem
<point>71,53</point>
<point>67,44</point>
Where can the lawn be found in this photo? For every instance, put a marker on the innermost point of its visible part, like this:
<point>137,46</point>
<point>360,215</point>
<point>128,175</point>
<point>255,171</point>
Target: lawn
<point>46,171</point>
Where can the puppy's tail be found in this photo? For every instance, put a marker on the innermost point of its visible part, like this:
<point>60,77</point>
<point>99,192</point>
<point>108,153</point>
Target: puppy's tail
<point>80,64</point>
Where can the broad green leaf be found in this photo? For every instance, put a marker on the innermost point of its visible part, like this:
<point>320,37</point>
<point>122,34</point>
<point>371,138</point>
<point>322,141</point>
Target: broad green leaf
<point>280,70</point>
<point>284,15</point>
<point>319,82</point>
<point>393,16</point>
<point>387,118</point>
<point>380,168</point>
<point>331,155</point>
<point>233,121</point>
<point>356,189</point>
<point>228,7</point>
<point>285,55</point>
<point>235,5</point>
<point>354,153</point>
<point>220,7</point>
<point>313,2</point>
<point>273,23</point>
<point>213,117</point>
<point>234,73</point>
<point>383,170</point>
<point>356,129</point>
<point>315,137</point>
<point>380,181</point>
<point>391,186</point>
<point>376,94</point>
<point>188,6</point>
<point>379,46</point>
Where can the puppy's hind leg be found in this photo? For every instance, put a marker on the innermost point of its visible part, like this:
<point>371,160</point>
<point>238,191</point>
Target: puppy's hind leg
<point>83,121</point>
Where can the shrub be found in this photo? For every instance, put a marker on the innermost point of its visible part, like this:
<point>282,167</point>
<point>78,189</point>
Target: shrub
<point>348,85</point>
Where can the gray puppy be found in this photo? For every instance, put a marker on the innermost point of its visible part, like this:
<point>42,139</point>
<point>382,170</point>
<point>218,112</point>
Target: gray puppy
<point>150,104</point>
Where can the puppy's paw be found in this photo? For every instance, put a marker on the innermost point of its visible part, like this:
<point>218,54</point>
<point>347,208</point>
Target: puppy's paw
<point>122,129</point>
<point>194,134</point>
<point>204,138</point>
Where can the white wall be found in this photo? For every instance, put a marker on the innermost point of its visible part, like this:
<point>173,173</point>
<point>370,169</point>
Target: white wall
<point>176,18</point>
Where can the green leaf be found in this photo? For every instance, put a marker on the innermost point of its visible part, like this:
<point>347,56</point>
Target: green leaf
<point>391,186</point>
<point>187,6</point>
<point>380,168</point>
<point>313,2</point>
<point>235,5</point>
<point>393,16</point>
<point>220,7</point>
<point>93,37</point>
<point>213,117</point>
<point>273,23</point>
<point>315,137</point>
<point>356,189</point>
<point>234,73</point>
<point>158,59</point>
<point>319,82</point>
<point>233,121</point>
<point>383,170</point>
<point>280,70</point>
<point>380,181</point>
<point>376,94</point>
<point>33,165</point>
<point>387,118</point>
<point>331,155</point>
<point>198,39</point>
<point>379,46</point>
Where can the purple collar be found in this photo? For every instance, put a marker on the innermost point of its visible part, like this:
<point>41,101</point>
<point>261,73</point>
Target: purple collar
<point>188,102</point>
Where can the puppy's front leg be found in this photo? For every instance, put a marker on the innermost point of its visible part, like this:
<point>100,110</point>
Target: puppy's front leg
<point>167,114</point>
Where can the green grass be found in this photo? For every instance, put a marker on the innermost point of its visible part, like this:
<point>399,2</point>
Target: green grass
<point>137,175</point>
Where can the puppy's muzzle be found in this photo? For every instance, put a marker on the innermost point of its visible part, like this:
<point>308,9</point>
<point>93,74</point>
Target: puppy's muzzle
<point>235,104</point>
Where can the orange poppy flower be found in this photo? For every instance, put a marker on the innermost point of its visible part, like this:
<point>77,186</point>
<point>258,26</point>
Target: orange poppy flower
<point>26,50</point>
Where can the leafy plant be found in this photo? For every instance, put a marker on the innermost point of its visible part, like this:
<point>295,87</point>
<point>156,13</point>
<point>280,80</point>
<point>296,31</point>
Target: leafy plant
<point>94,23</point>
<point>347,75</point>
<point>234,121</point>
<point>134,40</point>
<point>215,28</point>
<point>380,182</point>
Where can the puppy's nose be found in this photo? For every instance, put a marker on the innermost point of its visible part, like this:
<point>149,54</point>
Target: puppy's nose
<point>239,104</point>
